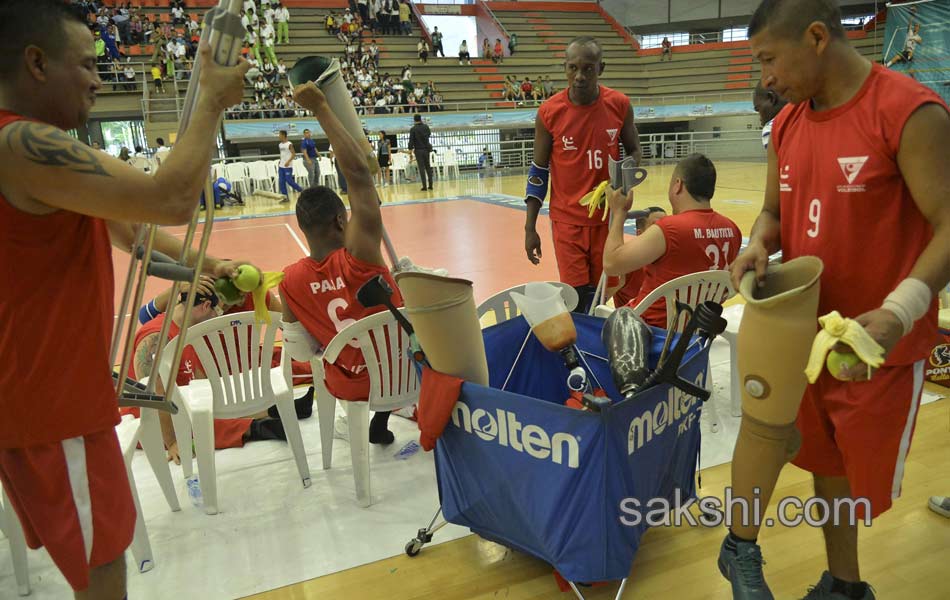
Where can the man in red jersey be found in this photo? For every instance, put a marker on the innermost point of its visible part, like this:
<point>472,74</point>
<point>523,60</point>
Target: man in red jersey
<point>576,132</point>
<point>857,176</point>
<point>60,203</point>
<point>628,285</point>
<point>319,291</point>
<point>694,238</point>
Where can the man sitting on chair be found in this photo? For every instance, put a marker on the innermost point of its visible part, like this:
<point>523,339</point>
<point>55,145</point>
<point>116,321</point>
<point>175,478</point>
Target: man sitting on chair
<point>625,288</point>
<point>694,238</point>
<point>319,291</point>
<point>228,433</point>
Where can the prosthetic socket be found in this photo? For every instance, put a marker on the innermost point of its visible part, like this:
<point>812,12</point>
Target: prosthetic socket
<point>775,338</point>
<point>325,72</point>
<point>442,312</point>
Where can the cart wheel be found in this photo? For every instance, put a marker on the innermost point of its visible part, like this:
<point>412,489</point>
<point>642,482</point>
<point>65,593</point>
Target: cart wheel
<point>413,547</point>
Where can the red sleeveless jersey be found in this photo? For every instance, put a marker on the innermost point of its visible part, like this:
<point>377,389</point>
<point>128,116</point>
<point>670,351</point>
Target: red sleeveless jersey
<point>584,137</point>
<point>843,199</point>
<point>56,318</point>
<point>322,295</point>
<point>696,240</point>
<point>189,358</point>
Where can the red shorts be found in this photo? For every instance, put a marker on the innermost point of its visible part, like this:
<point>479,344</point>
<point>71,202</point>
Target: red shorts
<point>862,431</point>
<point>73,497</point>
<point>579,251</point>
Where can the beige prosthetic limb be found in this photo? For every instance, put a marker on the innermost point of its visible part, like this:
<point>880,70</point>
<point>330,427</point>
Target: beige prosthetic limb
<point>775,336</point>
<point>325,72</point>
<point>442,312</point>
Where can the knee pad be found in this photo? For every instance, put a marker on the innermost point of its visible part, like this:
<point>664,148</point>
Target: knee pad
<point>778,326</point>
<point>787,436</point>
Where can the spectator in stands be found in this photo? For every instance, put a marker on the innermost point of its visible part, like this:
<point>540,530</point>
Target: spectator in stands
<point>549,89</point>
<point>437,43</point>
<point>423,48</point>
<point>404,18</point>
<point>463,53</point>
<point>512,44</point>
<point>374,53</point>
<point>129,73</point>
<point>526,89</point>
<point>330,25</point>
<point>267,36</point>
<point>499,53</point>
<point>363,10</point>
<point>250,18</point>
<point>161,152</point>
<point>394,14</point>
<point>178,15</point>
<point>486,48</point>
<point>667,46</point>
<point>253,43</point>
<point>157,79</point>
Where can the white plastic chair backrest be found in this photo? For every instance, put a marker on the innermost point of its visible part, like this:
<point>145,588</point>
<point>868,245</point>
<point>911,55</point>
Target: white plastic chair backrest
<point>236,171</point>
<point>385,348</point>
<point>300,170</point>
<point>692,289</point>
<point>450,158</point>
<point>235,353</point>
<point>400,160</point>
<point>505,308</point>
<point>326,165</point>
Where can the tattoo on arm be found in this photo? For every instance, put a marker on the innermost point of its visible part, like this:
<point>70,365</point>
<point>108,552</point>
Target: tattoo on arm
<point>46,145</point>
<point>145,356</point>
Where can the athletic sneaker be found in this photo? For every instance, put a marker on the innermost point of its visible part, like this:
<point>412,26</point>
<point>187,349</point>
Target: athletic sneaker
<point>741,563</point>
<point>822,591</point>
<point>940,505</point>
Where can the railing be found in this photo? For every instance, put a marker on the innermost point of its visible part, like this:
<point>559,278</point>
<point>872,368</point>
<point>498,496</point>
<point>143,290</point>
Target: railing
<point>467,105</point>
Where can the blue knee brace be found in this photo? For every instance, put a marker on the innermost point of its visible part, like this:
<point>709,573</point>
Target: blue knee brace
<point>537,182</point>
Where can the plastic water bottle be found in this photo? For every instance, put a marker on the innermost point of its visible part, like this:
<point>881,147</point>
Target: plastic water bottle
<point>194,491</point>
<point>408,450</point>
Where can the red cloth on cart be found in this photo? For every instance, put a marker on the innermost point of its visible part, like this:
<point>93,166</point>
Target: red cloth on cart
<point>564,586</point>
<point>437,397</point>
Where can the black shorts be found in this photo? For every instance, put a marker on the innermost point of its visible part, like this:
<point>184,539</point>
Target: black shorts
<point>384,160</point>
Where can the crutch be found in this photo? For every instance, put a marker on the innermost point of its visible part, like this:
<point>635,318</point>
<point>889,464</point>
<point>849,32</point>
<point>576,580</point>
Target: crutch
<point>223,32</point>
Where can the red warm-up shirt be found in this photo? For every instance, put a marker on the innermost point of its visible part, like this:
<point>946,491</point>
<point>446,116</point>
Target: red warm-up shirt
<point>696,240</point>
<point>322,295</point>
<point>844,200</point>
<point>56,319</point>
<point>584,138</point>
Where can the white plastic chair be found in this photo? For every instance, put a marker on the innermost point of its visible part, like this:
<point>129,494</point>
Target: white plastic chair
<point>235,353</point>
<point>400,164</point>
<point>504,307</point>
<point>392,385</point>
<point>260,176</point>
<point>327,173</point>
<point>128,431</point>
<point>694,289</point>
<point>10,525</point>
<point>237,174</point>
<point>450,162</point>
<point>301,176</point>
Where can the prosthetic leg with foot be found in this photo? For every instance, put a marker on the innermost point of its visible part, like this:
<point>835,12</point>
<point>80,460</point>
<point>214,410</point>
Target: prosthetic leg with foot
<point>774,342</point>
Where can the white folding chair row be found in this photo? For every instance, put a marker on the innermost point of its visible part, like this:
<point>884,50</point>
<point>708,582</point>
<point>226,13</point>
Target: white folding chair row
<point>400,164</point>
<point>301,176</point>
<point>235,353</point>
<point>237,174</point>
<point>393,385</point>
<point>263,174</point>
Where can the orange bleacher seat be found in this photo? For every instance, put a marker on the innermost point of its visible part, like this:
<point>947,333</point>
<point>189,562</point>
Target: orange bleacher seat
<point>491,78</point>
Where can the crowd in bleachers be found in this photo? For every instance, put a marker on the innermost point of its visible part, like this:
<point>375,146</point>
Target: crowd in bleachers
<point>525,91</point>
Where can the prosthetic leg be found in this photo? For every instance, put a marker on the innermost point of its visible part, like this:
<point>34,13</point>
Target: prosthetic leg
<point>442,312</point>
<point>774,342</point>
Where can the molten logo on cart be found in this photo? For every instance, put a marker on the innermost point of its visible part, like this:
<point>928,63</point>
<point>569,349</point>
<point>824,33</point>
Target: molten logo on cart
<point>503,427</point>
<point>676,410</point>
